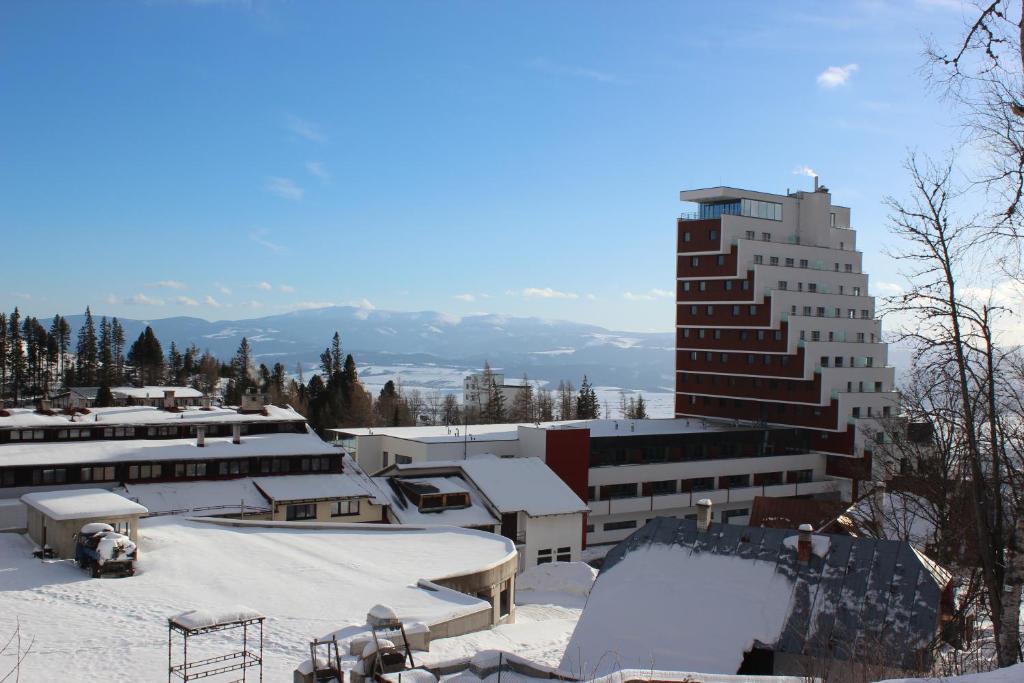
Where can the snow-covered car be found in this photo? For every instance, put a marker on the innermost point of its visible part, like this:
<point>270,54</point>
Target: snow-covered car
<point>103,551</point>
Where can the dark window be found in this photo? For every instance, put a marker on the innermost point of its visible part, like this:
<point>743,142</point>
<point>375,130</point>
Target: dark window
<point>564,554</point>
<point>344,508</point>
<point>615,526</point>
<point>303,511</point>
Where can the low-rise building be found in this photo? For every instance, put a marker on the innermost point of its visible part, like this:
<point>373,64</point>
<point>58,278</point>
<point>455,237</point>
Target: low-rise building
<point>476,390</point>
<point>153,396</point>
<point>322,498</point>
<point>692,595</point>
<point>520,498</point>
<point>630,471</point>
<point>55,517</point>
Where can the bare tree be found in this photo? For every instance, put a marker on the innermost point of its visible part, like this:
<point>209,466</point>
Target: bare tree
<point>14,647</point>
<point>952,333</point>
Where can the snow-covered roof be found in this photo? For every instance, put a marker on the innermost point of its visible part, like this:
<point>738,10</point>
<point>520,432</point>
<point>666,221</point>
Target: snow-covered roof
<point>304,579</point>
<point>511,484</point>
<point>313,487</point>
<point>145,450</point>
<point>156,392</point>
<point>439,484</point>
<point>82,504</point>
<point>20,418</point>
<point>404,511</point>
<point>223,496</point>
<point>437,433</point>
<point>510,431</point>
<point>852,594</point>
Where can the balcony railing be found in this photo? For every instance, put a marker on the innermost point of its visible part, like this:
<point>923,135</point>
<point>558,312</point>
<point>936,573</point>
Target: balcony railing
<point>671,501</point>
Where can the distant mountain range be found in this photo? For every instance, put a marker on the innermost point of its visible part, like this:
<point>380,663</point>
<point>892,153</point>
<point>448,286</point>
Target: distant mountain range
<point>545,349</point>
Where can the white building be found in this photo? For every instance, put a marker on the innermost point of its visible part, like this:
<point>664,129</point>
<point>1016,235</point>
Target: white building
<point>629,471</point>
<point>520,498</point>
<point>476,390</point>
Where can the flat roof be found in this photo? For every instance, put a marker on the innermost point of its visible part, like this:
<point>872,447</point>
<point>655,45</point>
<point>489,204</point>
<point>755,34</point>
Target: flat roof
<point>22,454</point>
<point>21,418</point>
<point>82,504</point>
<point>306,580</point>
<point>510,431</point>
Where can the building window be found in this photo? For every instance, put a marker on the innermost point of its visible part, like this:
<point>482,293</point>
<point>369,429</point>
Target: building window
<point>752,310</point>
<point>616,526</point>
<point>564,554</point>
<point>848,267</point>
<point>750,234</point>
<point>344,508</point>
<point>831,219</point>
<point>710,310</point>
<point>856,412</point>
<point>773,260</point>
<point>663,488</point>
<point>544,556</point>
<point>49,476</point>
<point>721,259</point>
<point>800,476</point>
<point>695,261</point>
<point>702,285</point>
<point>96,474</point>
<point>712,235</point>
<point>789,263</point>
<point>686,236</point>
<point>727,285</point>
<point>803,263</point>
<point>686,286</point>
<point>302,511</point>
<point>728,515</point>
<point>812,287</point>
<point>758,259</point>
<point>735,310</point>
<point>783,284</point>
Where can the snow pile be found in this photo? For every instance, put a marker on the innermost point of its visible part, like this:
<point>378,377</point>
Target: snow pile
<point>411,676</point>
<point>371,647</point>
<point>666,608</point>
<point>13,514</point>
<point>95,528</point>
<point>203,618</point>
<point>114,546</point>
<point>819,544</point>
<point>572,578</point>
<point>1011,674</point>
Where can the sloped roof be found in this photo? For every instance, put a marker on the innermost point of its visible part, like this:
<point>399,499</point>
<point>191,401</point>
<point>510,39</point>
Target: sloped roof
<point>865,599</point>
<point>790,513</point>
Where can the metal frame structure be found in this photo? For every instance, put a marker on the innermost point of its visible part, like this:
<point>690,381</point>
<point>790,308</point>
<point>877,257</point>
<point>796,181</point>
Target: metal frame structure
<point>239,660</point>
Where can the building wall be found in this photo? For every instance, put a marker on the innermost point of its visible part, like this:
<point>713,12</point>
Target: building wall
<point>370,450</point>
<point>553,532</point>
<point>368,512</point>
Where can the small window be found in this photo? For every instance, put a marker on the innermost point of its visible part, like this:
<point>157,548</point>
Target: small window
<point>713,235</point>
<point>686,236</point>
<point>302,511</point>
<point>344,508</point>
<point>615,526</point>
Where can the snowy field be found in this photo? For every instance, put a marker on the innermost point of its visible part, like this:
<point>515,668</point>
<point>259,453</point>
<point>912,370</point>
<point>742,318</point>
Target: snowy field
<point>448,380</point>
<point>307,582</point>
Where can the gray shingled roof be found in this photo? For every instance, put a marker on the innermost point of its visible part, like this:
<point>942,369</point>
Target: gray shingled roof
<point>866,599</point>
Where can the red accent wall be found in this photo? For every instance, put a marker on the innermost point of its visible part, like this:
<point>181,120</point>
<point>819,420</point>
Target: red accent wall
<point>707,265</point>
<point>777,413</point>
<point>715,290</point>
<point>800,391</point>
<point>729,339</point>
<point>567,453</point>
<point>779,365</point>
<point>700,232</point>
<point>722,314</point>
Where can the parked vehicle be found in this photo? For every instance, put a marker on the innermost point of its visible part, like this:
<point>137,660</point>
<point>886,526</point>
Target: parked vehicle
<point>103,551</point>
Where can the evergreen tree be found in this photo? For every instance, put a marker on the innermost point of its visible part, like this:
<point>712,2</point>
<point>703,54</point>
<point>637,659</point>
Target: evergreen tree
<point>524,406</point>
<point>278,380</point>
<point>117,348</point>
<point>106,354</point>
<point>104,397</point>
<point>146,356</point>
<point>4,357</point>
<point>15,355</point>
<point>586,402</point>
<point>566,403</point>
<point>450,410</point>
<point>208,375</point>
<point>86,360</point>
<point>640,408</point>
<point>545,405</point>
<point>175,366</point>
<point>494,412</point>
<point>60,331</point>
<point>241,374</point>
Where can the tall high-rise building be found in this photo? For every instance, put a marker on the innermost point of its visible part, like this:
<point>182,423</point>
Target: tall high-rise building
<point>775,324</point>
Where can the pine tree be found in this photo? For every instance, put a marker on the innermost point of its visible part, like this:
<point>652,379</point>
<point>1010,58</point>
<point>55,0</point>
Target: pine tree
<point>15,355</point>
<point>146,356</point>
<point>241,374</point>
<point>117,347</point>
<point>586,402</point>
<point>209,374</point>
<point>640,409</point>
<point>106,354</point>
<point>175,366</point>
<point>86,353</point>
<point>60,331</point>
<point>524,406</point>
<point>494,412</point>
<point>4,359</point>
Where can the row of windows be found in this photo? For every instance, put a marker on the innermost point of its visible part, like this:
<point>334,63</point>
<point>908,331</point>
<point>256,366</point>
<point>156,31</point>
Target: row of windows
<point>744,335</point>
<point>816,336</point>
<point>766,359</point>
<point>696,260</point>
<point>674,486</point>
<point>546,555</point>
<point>156,432</point>
<point>732,381</point>
<point>727,285</point>
<point>753,446</point>
<point>736,309</point>
<point>821,312</point>
<point>150,471</point>
<point>793,263</point>
<point>754,208</point>
<point>780,408</point>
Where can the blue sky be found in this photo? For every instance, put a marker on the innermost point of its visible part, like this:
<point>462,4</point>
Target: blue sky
<point>235,159</point>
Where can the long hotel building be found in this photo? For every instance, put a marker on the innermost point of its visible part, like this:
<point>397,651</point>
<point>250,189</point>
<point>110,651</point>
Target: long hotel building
<point>774,322</point>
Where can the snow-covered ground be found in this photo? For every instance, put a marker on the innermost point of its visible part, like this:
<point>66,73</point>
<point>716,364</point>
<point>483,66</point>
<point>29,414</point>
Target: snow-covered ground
<point>306,581</point>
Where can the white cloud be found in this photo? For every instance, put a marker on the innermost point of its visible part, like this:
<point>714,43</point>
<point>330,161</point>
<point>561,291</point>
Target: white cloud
<point>547,66</point>
<point>265,286</point>
<point>465,297</point>
<point>252,303</point>
<point>221,288</point>
<point>143,300</point>
<point>835,76</point>
<point>307,305</point>
<point>888,288</point>
<point>186,301</point>
<point>260,238</point>
<point>650,295</point>
<point>591,297</point>
<point>285,188</point>
<point>210,301</point>
<point>305,129</point>
<point>805,170</point>
<point>546,293</point>
<point>169,284</point>
<point>112,300</point>
<point>318,169</point>
<point>288,289</point>
<point>365,303</point>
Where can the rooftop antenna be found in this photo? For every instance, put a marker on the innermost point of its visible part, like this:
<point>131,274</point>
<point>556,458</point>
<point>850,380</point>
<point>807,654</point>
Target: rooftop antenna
<point>815,183</point>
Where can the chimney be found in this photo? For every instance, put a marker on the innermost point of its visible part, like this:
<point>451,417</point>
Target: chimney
<point>200,437</point>
<point>44,405</point>
<point>815,183</point>
<point>236,433</point>
<point>168,399</point>
<point>703,514</point>
<point>252,402</point>
<point>803,543</point>
<point>206,402</point>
